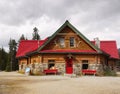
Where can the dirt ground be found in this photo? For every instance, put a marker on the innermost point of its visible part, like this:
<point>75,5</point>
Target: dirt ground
<point>15,83</point>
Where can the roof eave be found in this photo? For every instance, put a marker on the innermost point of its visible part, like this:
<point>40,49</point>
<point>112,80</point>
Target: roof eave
<point>19,57</point>
<point>114,58</point>
<point>31,53</point>
<point>68,52</point>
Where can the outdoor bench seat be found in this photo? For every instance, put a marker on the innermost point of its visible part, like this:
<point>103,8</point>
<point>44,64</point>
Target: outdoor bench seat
<point>50,71</point>
<point>88,71</point>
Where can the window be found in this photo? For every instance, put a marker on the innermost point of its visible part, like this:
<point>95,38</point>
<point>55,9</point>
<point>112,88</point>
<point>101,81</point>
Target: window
<point>62,42</point>
<point>51,64</point>
<point>84,64</point>
<point>72,42</point>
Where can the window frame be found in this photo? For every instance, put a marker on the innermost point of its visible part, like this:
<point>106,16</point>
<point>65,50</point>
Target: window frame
<point>85,64</point>
<point>62,42</point>
<point>51,63</point>
<point>72,42</point>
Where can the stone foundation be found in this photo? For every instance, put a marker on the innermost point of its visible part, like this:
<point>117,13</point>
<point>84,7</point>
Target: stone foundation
<point>77,68</point>
<point>60,67</point>
<point>22,68</point>
<point>37,68</point>
<point>40,67</point>
<point>98,67</point>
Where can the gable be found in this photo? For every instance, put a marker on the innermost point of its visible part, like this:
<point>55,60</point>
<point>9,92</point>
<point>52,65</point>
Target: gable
<point>67,31</point>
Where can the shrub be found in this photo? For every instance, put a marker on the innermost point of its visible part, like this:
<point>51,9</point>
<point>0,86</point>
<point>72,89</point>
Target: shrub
<point>109,72</point>
<point>8,68</point>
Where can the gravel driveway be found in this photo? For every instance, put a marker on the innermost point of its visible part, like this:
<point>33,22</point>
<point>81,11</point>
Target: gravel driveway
<point>15,83</point>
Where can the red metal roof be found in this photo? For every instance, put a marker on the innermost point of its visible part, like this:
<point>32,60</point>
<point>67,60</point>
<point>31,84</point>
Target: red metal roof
<point>26,46</point>
<point>109,47</point>
<point>119,52</point>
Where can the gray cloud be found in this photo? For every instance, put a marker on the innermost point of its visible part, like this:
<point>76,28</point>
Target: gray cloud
<point>89,16</point>
<point>19,11</point>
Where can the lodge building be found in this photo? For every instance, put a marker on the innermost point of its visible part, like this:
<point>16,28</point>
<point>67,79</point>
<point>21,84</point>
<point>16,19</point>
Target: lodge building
<point>67,50</point>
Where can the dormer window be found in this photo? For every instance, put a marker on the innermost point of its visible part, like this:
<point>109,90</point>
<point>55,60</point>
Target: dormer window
<point>72,42</point>
<point>62,42</point>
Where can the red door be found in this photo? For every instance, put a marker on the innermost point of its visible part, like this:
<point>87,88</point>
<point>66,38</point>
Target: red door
<point>69,66</point>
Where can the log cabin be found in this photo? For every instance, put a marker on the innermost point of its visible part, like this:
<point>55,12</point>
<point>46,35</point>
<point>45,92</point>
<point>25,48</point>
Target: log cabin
<point>68,51</point>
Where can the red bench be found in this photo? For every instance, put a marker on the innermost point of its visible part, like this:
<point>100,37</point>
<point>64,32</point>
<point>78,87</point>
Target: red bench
<point>50,71</point>
<point>88,71</point>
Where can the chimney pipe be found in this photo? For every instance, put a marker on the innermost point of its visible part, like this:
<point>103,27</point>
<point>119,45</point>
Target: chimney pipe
<point>97,42</point>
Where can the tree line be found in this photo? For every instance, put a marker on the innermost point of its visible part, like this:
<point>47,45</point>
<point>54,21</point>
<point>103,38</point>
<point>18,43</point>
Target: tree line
<point>8,61</point>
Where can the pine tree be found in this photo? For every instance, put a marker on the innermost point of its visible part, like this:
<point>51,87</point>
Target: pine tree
<point>36,36</point>
<point>8,66</point>
<point>12,61</point>
<point>0,59</point>
<point>22,38</point>
<point>3,59</point>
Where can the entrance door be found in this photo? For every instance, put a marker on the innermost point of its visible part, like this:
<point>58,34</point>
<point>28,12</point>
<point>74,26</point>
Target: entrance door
<point>69,66</point>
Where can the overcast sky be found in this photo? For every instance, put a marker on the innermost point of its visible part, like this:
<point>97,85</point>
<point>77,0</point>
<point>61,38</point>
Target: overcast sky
<point>93,18</point>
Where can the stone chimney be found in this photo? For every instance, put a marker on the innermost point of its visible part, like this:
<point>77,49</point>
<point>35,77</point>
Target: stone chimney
<point>97,42</point>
